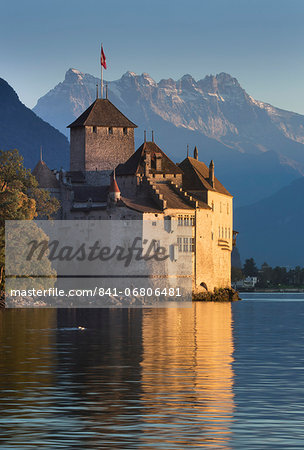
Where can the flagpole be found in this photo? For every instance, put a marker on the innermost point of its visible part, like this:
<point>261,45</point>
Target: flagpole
<point>101,80</point>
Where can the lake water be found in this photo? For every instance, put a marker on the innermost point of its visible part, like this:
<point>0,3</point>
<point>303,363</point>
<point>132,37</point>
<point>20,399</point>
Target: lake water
<point>219,376</point>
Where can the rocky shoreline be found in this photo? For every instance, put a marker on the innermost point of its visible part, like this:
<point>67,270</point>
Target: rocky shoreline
<point>218,295</point>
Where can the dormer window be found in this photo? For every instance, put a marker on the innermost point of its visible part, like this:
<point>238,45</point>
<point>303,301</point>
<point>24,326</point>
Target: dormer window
<point>125,131</point>
<point>110,130</point>
<point>94,129</point>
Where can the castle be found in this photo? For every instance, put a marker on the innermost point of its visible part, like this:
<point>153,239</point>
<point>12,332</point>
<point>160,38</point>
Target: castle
<point>108,179</point>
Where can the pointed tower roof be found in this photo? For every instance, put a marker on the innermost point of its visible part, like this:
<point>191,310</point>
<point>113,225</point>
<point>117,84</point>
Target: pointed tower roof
<point>102,113</point>
<point>45,177</point>
<point>136,163</point>
<point>114,186</point>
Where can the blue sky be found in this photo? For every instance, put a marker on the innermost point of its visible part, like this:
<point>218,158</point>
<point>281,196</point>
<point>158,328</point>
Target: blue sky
<point>258,42</point>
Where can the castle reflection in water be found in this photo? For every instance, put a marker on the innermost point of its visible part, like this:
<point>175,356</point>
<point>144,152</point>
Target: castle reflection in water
<point>143,378</point>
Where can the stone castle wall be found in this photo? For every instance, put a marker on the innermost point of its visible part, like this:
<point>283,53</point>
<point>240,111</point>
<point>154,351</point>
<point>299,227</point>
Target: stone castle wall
<point>104,151</point>
<point>77,145</point>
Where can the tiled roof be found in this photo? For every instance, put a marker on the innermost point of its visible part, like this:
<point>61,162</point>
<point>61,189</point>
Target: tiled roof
<point>145,205</point>
<point>45,177</point>
<point>174,201</point>
<point>136,163</point>
<point>196,175</point>
<point>95,193</point>
<point>102,113</point>
<point>77,176</point>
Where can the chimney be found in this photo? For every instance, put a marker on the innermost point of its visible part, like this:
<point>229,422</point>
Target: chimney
<point>211,173</point>
<point>195,153</point>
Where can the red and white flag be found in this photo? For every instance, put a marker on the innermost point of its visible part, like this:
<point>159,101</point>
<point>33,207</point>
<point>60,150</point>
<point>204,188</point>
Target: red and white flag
<point>103,58</point>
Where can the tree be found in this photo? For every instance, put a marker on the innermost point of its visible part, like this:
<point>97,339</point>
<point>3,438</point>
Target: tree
<point>250,269</point>
<point>20,197</point>
<point>265,275</point>
<point>236,274</point>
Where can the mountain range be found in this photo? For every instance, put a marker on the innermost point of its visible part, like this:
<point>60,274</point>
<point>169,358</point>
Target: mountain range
<point>257,148</point>
<point>272,230</point>
<point>21,128</point>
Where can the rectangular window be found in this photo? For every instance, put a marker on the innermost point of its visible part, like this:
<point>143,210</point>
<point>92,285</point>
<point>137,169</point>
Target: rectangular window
<point>94,129</point>
<point>180,220</point>
<point>156,245</point>
<point>192,245</point>
<point>192,221</point>
<point>186,221</point>
<point>110,130</point>
<point>180,244</point>
<point>125,131</point>
<point>186,245</point>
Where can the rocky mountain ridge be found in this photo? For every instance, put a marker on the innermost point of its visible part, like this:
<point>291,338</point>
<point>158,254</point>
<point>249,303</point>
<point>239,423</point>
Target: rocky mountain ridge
<point>22,129</point>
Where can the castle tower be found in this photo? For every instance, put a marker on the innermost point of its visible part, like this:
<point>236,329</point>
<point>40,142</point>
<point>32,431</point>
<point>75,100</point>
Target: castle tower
<point>114,191</point>
<point>101,138</point>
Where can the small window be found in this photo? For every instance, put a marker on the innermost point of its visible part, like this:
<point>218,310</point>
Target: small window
<point>212,206</point>
<point>186,245</point>
<point>94,129</point>
<point>180,244</point>
<point>154,224</point>
<point>125,131</point>
<point>156,245</point>
<point>110,130</point>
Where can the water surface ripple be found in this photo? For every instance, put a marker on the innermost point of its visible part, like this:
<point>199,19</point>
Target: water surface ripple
<point>216,376</point>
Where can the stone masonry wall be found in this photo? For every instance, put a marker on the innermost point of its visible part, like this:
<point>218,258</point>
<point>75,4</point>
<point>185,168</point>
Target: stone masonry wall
<point>77,138</point>
<point>104,151</point>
